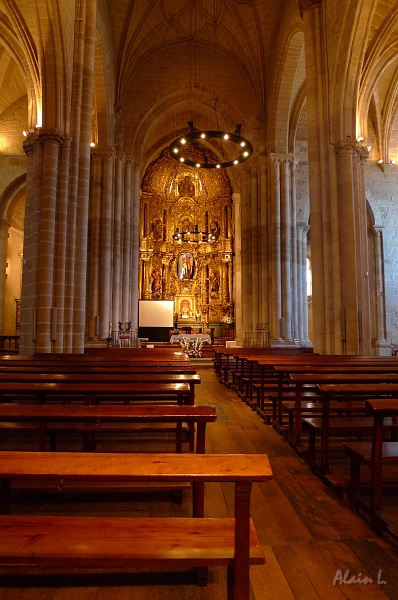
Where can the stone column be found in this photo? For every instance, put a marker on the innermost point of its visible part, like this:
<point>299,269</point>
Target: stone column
<point>34,152</point>
<point>61,247</point>
<point>323,188</point>
<point>361,220</point>
<point>106,246</point>
<point>95,246</point>
<point>264,262</point>
<point>135,244</point>
<point>302,298</point>
<point>286,258</point>
<point>247,279</point>
<point>3,262</point>
<point>254,235</point>
<point>117,240</point>
<point>82,207</point>
<point>296,296</point>
<point>237,266</point>
<point>126,251</point>
<point>381,341</point>
<point>51,141</point>
<point>349,235</point>
<point>275,243</point>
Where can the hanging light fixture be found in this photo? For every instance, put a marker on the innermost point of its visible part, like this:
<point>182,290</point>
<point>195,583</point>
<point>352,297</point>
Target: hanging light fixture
<point>179,146</point>
<point>195,236</point>
<point>195,147</point>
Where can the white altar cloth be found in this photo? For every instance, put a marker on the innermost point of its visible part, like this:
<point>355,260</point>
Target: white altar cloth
<point>176,338</point>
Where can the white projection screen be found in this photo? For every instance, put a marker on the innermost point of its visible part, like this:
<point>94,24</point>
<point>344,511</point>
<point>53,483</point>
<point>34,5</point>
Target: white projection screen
<point>156,313</point>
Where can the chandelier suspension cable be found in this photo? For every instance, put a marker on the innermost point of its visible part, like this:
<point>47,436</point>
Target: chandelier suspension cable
<point>186,149</point>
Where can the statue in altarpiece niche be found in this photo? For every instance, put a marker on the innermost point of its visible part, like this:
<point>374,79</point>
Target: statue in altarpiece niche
<point>186,187</point>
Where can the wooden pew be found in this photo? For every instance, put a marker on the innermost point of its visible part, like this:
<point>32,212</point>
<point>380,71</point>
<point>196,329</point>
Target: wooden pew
<point>377,391</point>
<point>102,542</point>
<point>375,455</point>
<point>176,367</point>
<point>92,393</point>
<point>323,374</point>
<point>48,420</point>
<point>275,369</point>
<point>191,379</point>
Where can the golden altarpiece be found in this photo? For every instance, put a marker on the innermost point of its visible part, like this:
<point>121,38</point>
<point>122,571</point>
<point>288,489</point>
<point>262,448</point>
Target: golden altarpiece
<point>186,241</point>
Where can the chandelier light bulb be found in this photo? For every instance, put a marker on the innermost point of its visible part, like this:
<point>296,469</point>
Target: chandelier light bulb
<point>206,163</point>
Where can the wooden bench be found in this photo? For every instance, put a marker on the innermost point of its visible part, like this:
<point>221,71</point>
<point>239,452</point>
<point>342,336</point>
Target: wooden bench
<point>347,391</point>
<point>145,377</point>
<point>130,542</point>
<point>314,408</point>
<point>49,420</point>
<point>305,384</point>
<point>375,455</point>
<point>337,425</point>
<point>92,393</point>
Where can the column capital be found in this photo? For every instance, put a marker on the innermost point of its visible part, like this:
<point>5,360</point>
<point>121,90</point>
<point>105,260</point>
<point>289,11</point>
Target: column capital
<point>103,154</point>
<point>305,5</point>
<point>281,157</point>
<point>347,146</point>
<point>236,198</point>
<point>40,136</point>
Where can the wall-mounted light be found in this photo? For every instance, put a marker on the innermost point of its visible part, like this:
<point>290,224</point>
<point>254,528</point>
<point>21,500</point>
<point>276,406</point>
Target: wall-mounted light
<point>385,166</point>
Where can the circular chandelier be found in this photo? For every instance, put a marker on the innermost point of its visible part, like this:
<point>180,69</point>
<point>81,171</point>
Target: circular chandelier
<point>244,148</point>
<point>195,236</point>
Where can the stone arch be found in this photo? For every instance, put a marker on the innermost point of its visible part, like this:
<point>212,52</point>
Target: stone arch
<point>104,86</point>
<point>290,87</point>
<point>28,68</point>
<point>175,109</point>
<point>12,203</point>
<point>345,75</point>
<point>10,191</point>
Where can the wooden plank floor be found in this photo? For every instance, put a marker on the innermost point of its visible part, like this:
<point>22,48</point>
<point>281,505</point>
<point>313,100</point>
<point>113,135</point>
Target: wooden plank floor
<point>314,545</point>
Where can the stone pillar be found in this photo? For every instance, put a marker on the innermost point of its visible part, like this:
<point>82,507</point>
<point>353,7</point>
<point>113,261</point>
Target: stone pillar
<point>264,262</point>
<point>246,268</point>
<point>135,244</point>
<point>254,237</point>
<point>361,219</point>
<point>381,341</point>
<point>95,246</point>
<point>286,258</point>
<point>323,186</point>
<point>82,206</point>
<point>296,295</point>
<point>61,249</point>
<point>237,266</point>
<point>126,251</point>
<point>51,141</point>
<point>106,324</point>
<point>353,232</point>
<point>3,262</point>
<point>302,298</point>
<point>34,152</point>
<point>275,240</point>
<point>117,240</point>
